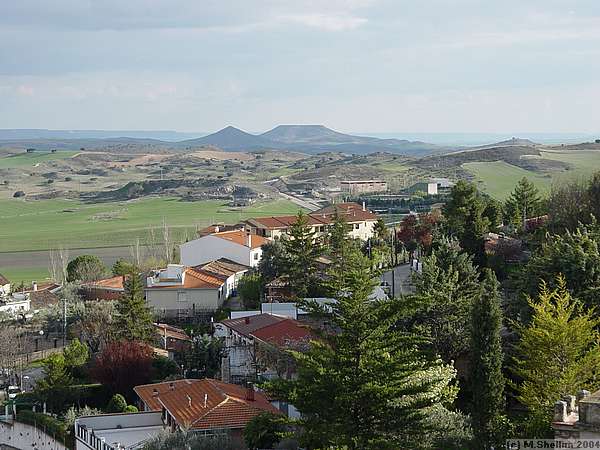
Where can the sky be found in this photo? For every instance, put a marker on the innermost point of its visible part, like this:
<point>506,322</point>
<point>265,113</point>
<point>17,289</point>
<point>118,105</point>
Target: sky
<point>353,65</point>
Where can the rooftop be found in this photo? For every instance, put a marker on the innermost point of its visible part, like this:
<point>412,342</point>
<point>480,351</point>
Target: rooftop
<point>205,404</point>
<point>112,283</point>
<point>248,325</point>
<point>241,237</point>
<point>224,267</point>
<point>193,278</point>
<point>171,332</point>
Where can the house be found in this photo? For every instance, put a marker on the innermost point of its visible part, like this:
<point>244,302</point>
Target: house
<point>172,339</point>
<point>256,346</point>
<point>178,289</point>
<point>577,417</point>
<point>208,406</point>
<point>429,188</point>
<point>354,187</point>
<point>117,431</point>
<point>15,304</point>
<point>105,289</point>
<point>229,269</point>
<point>361,222</point>
<point>236,245</point>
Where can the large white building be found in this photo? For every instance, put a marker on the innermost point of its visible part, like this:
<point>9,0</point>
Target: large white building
<point>236,245</point>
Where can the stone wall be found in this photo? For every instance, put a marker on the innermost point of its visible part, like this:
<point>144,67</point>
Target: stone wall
<point>22,436</point>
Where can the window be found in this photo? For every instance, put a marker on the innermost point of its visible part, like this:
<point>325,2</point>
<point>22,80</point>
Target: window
<point>255,256</point>
<point>356,226</point>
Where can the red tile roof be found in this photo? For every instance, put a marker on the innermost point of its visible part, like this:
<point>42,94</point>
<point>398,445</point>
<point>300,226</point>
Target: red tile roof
<point>352,212</point>
<point>205,404</point>
<point>248,325</point>
<point>222,267</point>
<point>114,283</point>
<point>195,279</point>
<point>241,237</point>
<point>286,333</point>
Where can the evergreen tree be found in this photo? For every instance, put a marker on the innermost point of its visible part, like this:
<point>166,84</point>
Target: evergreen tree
<point>368,385</point>
<point>302,247</point>
<point>465,218</point>
<point>444,292</point>
<point>524,202</point>
<point>486,366</point>
<point>558,354</point>
<point>54,387</point>
<point>272,262</point>
<point>134,320</point>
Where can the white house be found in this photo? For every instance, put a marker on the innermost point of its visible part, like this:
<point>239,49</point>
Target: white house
<point>4,285</point>
<point>178,288</point>
<point>235,245</point>
<point>17,303</point>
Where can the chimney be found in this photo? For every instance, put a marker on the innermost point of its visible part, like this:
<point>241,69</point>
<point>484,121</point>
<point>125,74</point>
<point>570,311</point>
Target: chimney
<point>250,392</point>
<point>205,400</point>
<point>249,240</point>
<point>247,320</point>
<point>560,411</point>
<point>216,228</point>
<point>172,386</point>
<point>582,394</point>
<point>154,392</point>
<point>189,399</point>
<point>364,206</point>
<point>570,401</point>
<point>34,286</point>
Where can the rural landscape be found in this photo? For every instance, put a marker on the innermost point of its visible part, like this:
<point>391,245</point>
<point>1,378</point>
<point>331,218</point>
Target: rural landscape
<point>299,225</point>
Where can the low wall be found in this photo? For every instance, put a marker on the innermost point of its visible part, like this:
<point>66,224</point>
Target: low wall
<point>22,436</point>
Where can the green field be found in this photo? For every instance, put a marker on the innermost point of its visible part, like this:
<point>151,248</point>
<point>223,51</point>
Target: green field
<point>31,159</point>
<point>499,178</point>
<point>25,274</point>
<point>51,224</point>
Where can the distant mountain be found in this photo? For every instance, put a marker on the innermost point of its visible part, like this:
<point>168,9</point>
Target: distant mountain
<point>299,138</point>
<point>232,139</point>
<point>40,133</point>
<point>509,142</point>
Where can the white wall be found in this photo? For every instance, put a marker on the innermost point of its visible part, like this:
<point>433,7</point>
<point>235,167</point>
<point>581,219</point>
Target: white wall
<point>171,298</point>
<point>19,435</point>
<point>209,248</point>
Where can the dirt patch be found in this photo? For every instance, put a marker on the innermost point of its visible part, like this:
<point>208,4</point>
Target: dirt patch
<point>222,156</point>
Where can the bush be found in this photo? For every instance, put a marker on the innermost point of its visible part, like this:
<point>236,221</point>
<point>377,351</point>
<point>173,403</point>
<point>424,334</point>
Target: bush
<point>85,268</point>
<point>130,409</point>
<point>249,288</point>
<point>191,441</point>
<point>163,368</point>
<point>264,430</point>
<point>92,395</point>
<point>116,404</point>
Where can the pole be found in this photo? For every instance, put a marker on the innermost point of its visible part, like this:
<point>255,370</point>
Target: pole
<point>65,322</point>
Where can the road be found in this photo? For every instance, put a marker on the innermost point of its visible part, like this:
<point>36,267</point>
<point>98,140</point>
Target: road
<point>401,280</point>
<point>41,258</point>
<point>311,205</point>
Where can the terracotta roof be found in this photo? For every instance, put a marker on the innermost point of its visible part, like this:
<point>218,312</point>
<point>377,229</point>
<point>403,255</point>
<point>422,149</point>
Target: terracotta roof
<point>3,280</point>
<point>288,332</point>
<point>113,283</point>
<point>171,332</point>
<point>248,325</point>
<point>41,299</point>
<point>215,228</point>
<point>223,266</point>
<point>352,212</point>
<point>241,237</point>
<point>194,279</point>
<point>205,404</point>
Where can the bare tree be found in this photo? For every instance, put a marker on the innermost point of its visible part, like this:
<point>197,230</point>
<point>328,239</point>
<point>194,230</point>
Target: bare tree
<point>58,264</point>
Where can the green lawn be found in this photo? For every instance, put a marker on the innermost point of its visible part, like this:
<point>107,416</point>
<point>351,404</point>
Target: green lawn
<point>50,224</point>
<point>30,159</point>
<point>499,178</point>
<point>25,274</point>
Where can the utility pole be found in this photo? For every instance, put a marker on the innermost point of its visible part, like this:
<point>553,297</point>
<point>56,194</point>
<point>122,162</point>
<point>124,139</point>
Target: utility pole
<point>65,322</point>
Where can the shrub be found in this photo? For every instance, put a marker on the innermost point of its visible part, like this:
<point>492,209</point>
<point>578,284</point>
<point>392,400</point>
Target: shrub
<point>130,409</point>
<point>116,404</point>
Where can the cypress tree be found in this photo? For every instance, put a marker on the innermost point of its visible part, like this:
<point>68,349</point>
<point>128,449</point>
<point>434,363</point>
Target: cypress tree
<point>134,319</point>
<point>486,366</point>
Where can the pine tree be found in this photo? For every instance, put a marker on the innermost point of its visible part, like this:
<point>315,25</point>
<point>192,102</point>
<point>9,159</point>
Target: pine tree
<point>486,366</point>
<point>368,385</point>
<point>302,247</point>
<point>558,354</point>
<point>524,202</point>
<point>134,318</point>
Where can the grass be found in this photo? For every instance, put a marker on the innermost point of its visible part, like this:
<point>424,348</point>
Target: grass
<point>16,275</point>
<point>51,224</point>
<point>499,178</point>
<point>31,159</point>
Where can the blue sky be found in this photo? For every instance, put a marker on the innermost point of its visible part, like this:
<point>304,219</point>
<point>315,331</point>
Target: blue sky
<point>354,65</point>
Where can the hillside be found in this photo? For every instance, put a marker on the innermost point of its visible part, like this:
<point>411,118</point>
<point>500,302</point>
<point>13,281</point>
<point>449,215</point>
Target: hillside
<point>230,138</point>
